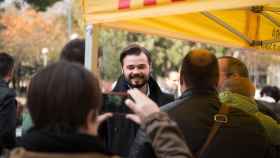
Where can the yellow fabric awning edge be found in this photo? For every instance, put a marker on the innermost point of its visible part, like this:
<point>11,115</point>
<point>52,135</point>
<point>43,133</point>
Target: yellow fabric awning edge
<point>240,45</point>
<point>161,33</point>
<point>170,9</point>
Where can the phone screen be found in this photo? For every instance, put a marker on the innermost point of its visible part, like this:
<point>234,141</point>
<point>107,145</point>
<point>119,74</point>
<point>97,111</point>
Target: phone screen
<point>114,102</point>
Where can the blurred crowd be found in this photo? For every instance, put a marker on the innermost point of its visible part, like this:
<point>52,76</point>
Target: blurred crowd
<point>207,109</point>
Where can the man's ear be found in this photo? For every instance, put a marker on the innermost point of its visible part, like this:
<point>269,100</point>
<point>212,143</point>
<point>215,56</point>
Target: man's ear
<point>9,75</point>
<point>150,68</point>
<point>181,80</point>
<point>122,70</point>
<point>183,85</point>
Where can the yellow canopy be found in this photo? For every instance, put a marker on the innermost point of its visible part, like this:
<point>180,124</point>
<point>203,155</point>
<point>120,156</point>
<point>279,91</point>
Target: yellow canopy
<point>237,23</point>
<point>232,23</point>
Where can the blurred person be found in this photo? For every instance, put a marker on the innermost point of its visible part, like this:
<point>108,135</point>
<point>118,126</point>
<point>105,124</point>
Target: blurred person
<point>239,92</point>
<point>271,91</point>
<point>211,129</point>
<point>233,67</point>
<point>172,83</point>
<point>73,51</point>
<point>19,113</point>
<point>64,100</point>
<point>136,73</point>
<point>26,121</point>
<point>8,103</point>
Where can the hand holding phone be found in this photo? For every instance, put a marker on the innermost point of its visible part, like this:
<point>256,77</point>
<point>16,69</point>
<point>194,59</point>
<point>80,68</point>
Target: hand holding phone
<point>142,106</point>
<point>114,102</point>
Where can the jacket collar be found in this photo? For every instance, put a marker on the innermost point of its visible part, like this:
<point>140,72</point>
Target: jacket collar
<point>46,140</point>
<point>196,91</point>
<point>239,101</point>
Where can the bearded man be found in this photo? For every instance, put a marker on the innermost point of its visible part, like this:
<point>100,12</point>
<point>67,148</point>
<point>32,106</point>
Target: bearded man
<point>136,73</point>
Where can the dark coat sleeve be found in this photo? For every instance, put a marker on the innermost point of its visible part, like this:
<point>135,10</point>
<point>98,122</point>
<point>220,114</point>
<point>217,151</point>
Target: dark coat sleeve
<point>142,146</point>
<point>8,121</point>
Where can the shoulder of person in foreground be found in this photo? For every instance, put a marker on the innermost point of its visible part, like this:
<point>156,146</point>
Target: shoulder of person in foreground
<point>271,127</point>
<point>22,153</point>
<point>157,126</point>
<point>161,129</point>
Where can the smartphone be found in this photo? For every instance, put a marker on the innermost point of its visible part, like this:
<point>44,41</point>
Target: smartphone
<point>114,102</point>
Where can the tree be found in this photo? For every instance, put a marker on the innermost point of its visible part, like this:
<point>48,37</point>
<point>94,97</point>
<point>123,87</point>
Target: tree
<point>27,32</point>
<point>111,42</point>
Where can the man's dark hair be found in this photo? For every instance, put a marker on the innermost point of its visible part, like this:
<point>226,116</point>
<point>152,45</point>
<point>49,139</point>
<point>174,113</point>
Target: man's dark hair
<point>134,49</point>
<point>62,95</point>
<point>235,66</point>
<point>271,91</point>
<point>200,69</point>
<point>74,51</point>
<point>6,64</point>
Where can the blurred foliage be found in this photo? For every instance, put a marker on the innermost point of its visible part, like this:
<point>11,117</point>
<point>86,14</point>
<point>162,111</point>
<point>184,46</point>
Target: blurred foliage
<point>77,14</point>
<point>24,35</point>
<point>27,32</point>
<point>111,42</point>
<point>41,5</point>
<point>166,53</point>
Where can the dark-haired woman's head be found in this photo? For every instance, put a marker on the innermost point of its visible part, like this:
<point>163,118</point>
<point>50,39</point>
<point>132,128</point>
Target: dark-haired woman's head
<point>74,51</point>
<point>63,95</point>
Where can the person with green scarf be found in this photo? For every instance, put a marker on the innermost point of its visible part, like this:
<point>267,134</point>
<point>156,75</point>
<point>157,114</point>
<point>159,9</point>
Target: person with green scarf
<point>238,92</point>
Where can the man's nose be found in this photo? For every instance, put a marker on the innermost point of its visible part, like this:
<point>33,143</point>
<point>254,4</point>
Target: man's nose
<point>136,71</point>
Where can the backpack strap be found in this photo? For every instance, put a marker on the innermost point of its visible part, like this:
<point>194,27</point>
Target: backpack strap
<point>219,119</point>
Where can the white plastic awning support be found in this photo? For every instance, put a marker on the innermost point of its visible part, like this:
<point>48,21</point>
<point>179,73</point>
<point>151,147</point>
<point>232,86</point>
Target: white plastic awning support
<point>88,47</point>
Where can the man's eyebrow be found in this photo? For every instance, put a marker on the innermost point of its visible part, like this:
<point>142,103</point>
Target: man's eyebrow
<point>141,65</point>
<point>136,65</point>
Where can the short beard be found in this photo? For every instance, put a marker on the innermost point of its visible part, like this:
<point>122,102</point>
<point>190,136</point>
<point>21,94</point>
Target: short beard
<point>137,86</point>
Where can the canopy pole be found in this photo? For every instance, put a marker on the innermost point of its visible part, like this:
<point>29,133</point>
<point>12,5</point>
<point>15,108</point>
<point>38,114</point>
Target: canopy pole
<point>270,41</point>
<point>91,48</point>
<point>271,9</point>
<point>95,50</point>
<point>252,27</point>
<point>269,17</point>
<point>226,26</point>
<point>263,42</point>
<point>88,47</point>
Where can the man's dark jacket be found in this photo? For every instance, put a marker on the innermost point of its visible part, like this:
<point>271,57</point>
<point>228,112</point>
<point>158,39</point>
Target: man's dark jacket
<point>120,132</point>
<point>269,109</point>
<point>8,105</point>
<point>243,137</point>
